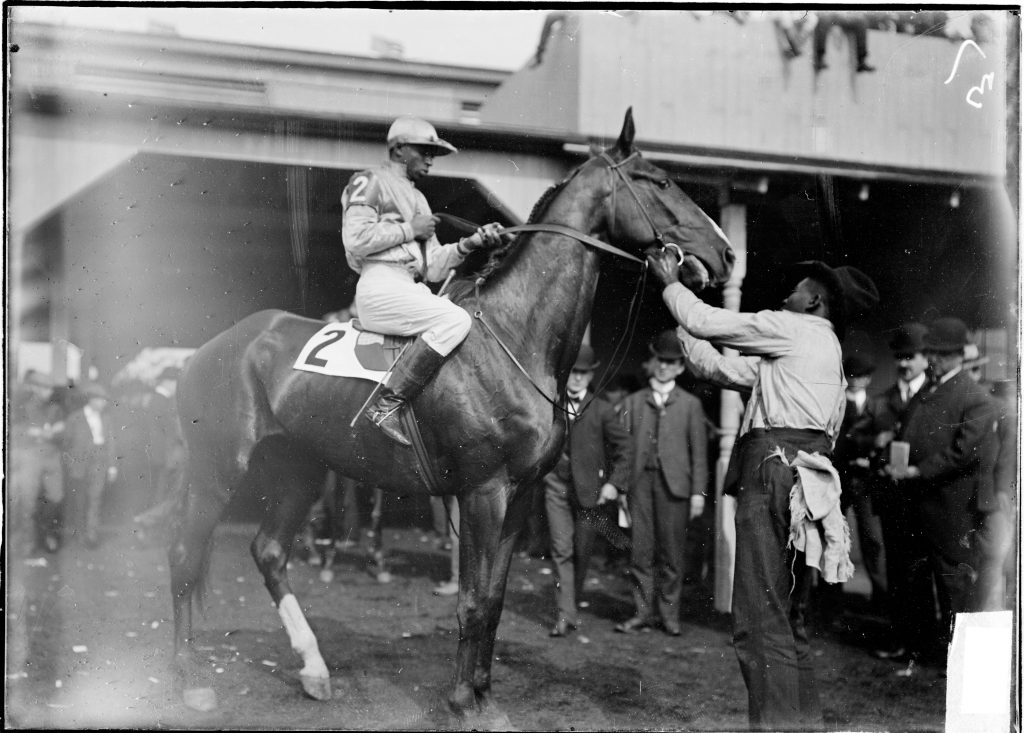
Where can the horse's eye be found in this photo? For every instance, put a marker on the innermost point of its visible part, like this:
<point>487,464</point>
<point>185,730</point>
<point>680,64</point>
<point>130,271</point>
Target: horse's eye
<point>664,183</point>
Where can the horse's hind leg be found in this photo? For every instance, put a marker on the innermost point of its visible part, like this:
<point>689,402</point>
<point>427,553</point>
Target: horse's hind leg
<point>188,557</point>
<point>383,575</point>
<point>290,480</point>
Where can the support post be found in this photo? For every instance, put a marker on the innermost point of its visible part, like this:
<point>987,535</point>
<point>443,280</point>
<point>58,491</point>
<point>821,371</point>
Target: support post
<point>734,224</point>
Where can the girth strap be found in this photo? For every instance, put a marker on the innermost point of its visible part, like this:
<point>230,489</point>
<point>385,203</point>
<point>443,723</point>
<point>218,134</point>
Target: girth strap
<point>428,469</point>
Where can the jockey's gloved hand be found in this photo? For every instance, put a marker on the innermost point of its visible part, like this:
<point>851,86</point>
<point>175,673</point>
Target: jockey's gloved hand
<point>486,237</point>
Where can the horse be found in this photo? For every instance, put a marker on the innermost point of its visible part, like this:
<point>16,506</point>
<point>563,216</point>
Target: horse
<point>492,419</point>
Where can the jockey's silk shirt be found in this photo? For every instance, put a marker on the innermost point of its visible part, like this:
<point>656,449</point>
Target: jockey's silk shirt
<point>379,206</point>
<point>789,362</point>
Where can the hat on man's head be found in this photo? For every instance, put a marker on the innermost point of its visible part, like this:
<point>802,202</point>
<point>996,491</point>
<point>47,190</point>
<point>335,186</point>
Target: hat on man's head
<point>586,361</point>
<point>908,339</point>
<point>37,379</point>
<point>946,336</point>
<point>858,365</point>
<point>171,372</point>
<point>973,357</point>
<point>92,389</point>
<point>667,346</point>
<point>408,130</point>
<point>853,292</point>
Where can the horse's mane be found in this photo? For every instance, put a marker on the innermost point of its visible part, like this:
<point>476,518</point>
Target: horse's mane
<point>499,257</point>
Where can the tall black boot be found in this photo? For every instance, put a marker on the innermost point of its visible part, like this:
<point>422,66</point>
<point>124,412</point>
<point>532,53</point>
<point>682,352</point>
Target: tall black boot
<point>414,370</point>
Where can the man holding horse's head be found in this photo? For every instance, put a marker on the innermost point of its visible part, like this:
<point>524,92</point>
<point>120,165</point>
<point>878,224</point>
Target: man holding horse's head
<point>790,363</point>
<point>388,233</point>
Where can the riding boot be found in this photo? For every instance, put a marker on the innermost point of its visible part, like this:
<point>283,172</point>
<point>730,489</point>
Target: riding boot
<point>413,370</point>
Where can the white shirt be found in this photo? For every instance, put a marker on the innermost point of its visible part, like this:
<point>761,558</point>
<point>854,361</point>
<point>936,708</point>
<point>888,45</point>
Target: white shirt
<point>92,417</point>
<point>790,362</point>
<point>909,389</point>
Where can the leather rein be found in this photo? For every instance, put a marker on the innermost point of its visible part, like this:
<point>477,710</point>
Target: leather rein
<point>634,312</point>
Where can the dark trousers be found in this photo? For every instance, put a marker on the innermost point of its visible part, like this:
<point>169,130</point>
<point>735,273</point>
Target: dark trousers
<point>856,28</point>
<point>772,585</point>
<point>659,537</point>
<point>572,543</point>
<point>911,591</point>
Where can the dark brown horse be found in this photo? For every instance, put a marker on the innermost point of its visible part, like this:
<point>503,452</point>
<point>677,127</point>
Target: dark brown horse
<point>254,423</point>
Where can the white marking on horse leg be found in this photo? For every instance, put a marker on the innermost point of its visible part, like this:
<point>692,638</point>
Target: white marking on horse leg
<point>302,638</point>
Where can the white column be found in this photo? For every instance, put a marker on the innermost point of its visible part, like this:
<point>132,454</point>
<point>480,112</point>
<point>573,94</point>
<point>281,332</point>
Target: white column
<point>734,224</point>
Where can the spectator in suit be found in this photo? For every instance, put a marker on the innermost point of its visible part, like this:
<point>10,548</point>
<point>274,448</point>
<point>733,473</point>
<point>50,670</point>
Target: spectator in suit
<point>994,541</point>
<point>913,628</point>
<point>949,425</point>
<point>89,457</point>
<point>852,460</point>
<point>36,489</point>
<point>592,470</point>
<point>667,486</point>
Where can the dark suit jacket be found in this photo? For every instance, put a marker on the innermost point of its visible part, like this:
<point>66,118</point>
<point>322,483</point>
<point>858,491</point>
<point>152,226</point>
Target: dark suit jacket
<point>82,456</point>
<point>682,443</point>
<point>950,432</point>
<point>599,451</point>
<point>884,412</point>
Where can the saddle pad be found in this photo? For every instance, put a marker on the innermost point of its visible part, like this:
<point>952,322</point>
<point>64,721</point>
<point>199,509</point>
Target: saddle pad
<point>341,350</point>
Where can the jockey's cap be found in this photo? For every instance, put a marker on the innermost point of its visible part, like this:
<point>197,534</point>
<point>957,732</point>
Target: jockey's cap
<point>417,131</point>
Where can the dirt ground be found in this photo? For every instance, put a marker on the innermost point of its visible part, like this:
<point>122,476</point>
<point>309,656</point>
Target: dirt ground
<point>89,644</point>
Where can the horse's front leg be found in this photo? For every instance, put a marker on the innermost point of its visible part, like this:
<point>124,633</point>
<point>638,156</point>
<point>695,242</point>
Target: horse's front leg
<point>515,520</point>
<point>485,551</point>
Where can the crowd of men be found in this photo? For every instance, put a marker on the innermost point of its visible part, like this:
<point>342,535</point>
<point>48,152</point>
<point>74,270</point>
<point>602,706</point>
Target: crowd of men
<point>68,447</point>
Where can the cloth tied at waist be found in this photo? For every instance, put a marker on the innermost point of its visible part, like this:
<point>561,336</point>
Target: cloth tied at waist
<point>817,526</point>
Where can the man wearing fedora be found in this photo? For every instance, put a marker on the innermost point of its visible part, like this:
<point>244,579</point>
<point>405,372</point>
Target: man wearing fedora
<point>668,481</point>
<point>913,628</point>
<point>36,490</point>
<point>950,427</point>
<point>790,362</point>
<point>592,470</point>
<point>89,462</point>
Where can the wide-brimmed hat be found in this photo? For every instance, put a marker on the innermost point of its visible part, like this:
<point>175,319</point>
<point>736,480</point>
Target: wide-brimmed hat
<point>946,336</point>
<point>858,365</point>
<point>973,357</point>
<point>586,360</point>
<point>908,339</point>
<point>853,292</point>
<point>667,346</point>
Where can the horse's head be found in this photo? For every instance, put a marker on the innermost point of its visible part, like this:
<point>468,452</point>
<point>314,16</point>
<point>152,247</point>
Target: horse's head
<point>647,208</point>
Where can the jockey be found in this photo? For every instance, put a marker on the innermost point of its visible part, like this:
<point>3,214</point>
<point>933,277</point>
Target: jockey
<point>388,233</point>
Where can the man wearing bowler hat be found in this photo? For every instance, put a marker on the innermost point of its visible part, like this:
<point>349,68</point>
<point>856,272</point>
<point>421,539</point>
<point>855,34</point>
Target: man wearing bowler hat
<point>790,362</point>
<point>668,481</point>
<point>950,427</point>
<point>588,477</point>
<point>913,630</point>
<point>89,458</point>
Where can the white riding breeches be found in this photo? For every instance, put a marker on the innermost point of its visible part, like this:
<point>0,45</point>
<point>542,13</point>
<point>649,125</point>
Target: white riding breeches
<point>389,300</point>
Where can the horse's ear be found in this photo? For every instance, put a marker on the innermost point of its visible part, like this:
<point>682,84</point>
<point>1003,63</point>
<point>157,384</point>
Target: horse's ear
<point>625,142</point>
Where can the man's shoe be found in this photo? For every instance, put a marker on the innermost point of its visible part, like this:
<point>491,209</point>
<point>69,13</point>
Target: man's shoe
<point>909,671</point>
<point>449,588</point>
<point>562,628</point>
<point>863,67</point>
<point>634,624</point>
<point>896,654</point>
<point>672,627</point>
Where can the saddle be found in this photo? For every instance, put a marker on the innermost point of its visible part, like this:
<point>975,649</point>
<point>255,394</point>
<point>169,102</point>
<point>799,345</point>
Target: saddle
<point>376,351</point>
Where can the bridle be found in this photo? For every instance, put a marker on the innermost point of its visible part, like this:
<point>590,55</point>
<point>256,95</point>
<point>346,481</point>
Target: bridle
<point>619,353</point>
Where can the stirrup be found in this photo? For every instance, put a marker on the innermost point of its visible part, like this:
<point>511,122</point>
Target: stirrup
<point>389,422</point>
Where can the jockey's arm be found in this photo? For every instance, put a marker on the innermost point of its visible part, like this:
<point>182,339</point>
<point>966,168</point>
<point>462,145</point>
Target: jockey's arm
<point>364,232</point>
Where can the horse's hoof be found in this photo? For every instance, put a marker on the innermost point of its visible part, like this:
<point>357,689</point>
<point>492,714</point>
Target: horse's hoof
<point>326,576</point>
<point>203,699</point>
<point>384,577</point>
<point>318,688</point>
